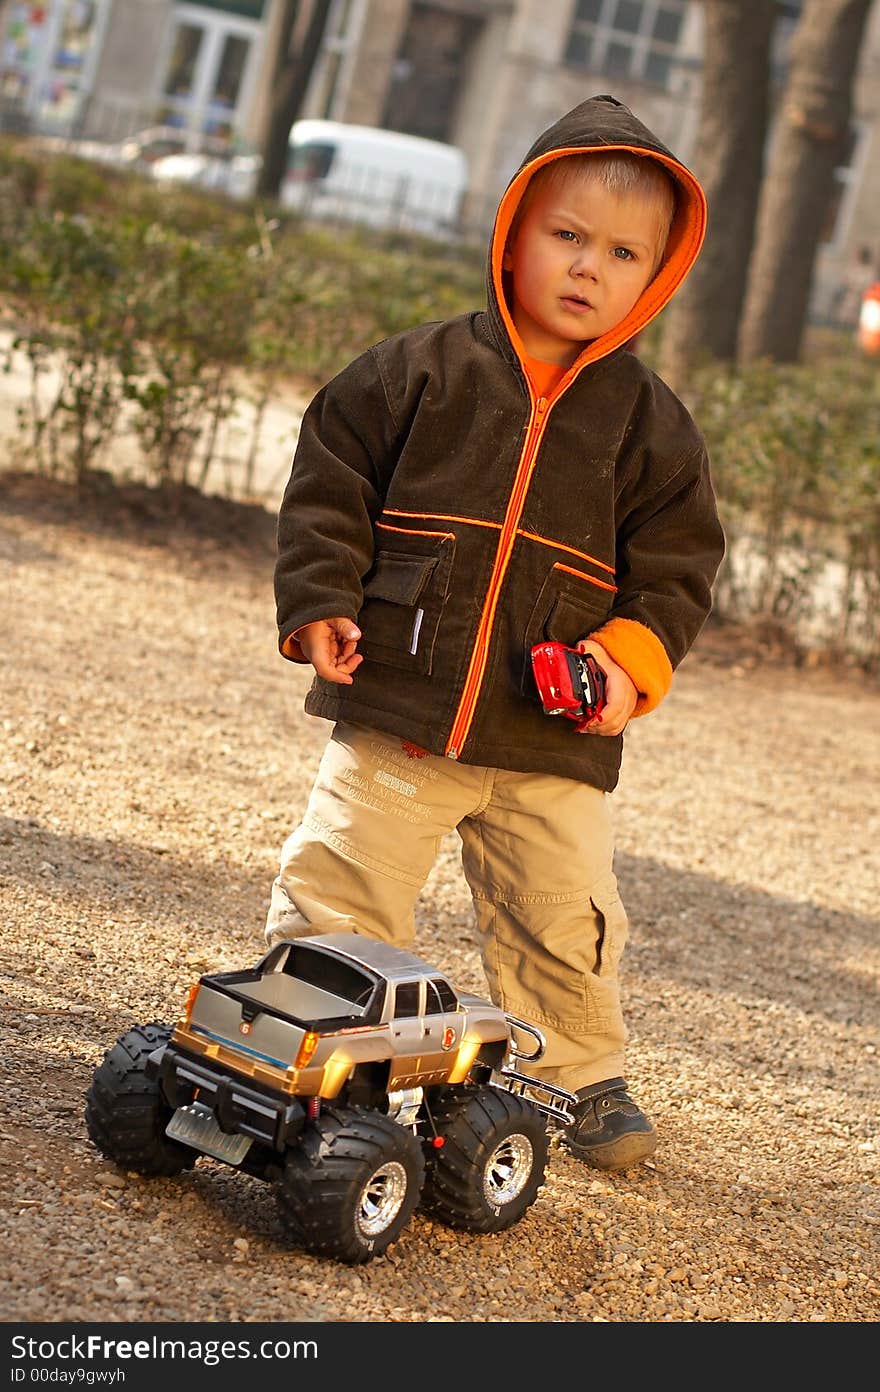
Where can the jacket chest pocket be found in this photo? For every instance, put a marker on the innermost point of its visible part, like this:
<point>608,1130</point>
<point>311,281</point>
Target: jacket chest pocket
<point>403,601</point>
<point>567,609</point>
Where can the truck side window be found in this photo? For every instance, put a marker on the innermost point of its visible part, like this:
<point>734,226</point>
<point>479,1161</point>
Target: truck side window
<point>433,1003</point>
<point>406,1001</point>
<point>448,998</point>
<point>311,161</point>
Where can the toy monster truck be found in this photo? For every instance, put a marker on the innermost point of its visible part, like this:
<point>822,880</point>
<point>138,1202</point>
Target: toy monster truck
<point>353,1077</point>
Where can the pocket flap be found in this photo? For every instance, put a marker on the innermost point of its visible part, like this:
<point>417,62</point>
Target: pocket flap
<point>572,618</point>
<point>399,578</point>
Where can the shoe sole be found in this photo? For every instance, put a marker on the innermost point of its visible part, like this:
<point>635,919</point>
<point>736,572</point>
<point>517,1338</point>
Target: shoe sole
<point>619,1154</point>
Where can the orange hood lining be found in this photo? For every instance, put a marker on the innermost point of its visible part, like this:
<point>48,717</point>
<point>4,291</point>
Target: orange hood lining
<point>682,248</point>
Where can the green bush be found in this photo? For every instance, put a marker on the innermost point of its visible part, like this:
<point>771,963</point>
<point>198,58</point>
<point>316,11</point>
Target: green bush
<point>136,301</point>
<point>796,466</point>
<point>66,280</point>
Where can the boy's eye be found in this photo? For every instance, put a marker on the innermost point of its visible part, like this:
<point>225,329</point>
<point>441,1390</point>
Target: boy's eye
<point>624,254</point>
<point>567,235</point>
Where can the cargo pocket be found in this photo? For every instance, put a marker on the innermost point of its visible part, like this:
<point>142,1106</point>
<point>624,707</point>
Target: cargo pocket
<point>404,597</point>
<point>553,959</point>
<point>566,610</point>
<point>539,960</point>
<point>612,924</point>
<point>603,985</point>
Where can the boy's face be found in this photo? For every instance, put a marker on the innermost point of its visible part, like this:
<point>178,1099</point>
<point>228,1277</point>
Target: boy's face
<point>579,260</point>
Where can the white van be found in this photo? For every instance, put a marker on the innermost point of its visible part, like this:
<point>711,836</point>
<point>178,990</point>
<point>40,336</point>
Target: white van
<point>373,176</point>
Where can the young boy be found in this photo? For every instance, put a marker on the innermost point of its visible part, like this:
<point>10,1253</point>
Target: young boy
<point>459,493</point>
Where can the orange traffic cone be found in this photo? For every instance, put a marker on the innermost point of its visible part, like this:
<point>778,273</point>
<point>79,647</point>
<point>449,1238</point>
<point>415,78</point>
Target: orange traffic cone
<point>869,319</point>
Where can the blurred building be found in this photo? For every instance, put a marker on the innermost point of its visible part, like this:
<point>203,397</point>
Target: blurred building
<point>104,69</point>
<point>485,75</point>
<point>489,75</point>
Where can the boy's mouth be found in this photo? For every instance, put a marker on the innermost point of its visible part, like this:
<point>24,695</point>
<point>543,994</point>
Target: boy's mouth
<point>576,303</point>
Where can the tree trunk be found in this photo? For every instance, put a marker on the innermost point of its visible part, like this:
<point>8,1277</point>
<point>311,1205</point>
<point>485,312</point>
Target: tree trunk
<point>703,319</point>
<point>808,144</point>
<point>291,80</point>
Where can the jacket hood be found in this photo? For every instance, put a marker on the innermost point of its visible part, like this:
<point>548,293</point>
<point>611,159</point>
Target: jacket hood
<point>600,124</point>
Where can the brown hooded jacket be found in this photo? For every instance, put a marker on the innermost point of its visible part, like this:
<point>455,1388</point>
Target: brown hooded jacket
<point>460,520</point>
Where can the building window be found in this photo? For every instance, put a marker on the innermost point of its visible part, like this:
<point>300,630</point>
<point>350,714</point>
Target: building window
<point>627,38</point>
<point>248,9</point>
<point>181,71</point>
<point>207,70</point>
<point>231,71</point>
<point>48,54</point>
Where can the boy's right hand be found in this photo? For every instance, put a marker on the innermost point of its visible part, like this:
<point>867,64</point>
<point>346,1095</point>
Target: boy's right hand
<point>330,644</point>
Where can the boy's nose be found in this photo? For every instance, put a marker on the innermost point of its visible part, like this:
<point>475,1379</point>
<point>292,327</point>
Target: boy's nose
<point>584,264</point>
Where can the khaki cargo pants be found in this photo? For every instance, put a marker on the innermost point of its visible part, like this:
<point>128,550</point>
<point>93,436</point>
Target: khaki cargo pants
<point>537,855</point>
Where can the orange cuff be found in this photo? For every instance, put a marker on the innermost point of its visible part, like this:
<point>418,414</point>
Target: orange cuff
<point>641,655</point>
<point>291,648</point>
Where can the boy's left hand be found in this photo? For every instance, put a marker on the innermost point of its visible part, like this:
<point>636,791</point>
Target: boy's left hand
<point>621,693</point>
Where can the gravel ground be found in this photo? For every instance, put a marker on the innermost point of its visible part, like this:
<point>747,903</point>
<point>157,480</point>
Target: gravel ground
<point>155,755</point>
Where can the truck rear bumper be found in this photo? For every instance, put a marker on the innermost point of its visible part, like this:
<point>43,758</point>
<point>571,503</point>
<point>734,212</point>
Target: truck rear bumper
<point>273,1120</point>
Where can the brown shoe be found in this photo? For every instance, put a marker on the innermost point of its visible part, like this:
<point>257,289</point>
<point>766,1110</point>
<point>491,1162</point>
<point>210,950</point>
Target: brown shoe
<point>609,1130</point>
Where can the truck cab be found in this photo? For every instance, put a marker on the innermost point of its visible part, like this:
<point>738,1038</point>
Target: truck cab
<point>319,1014</point>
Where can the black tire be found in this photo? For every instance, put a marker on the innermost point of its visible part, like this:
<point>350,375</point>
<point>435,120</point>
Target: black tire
<point>491,1165</point>
<point>351,1184</point>
<point>126,1114</point>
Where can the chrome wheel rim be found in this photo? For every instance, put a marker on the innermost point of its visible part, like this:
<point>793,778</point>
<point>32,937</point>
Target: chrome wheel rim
<point>508,1170</point>
<point>382,1198</point>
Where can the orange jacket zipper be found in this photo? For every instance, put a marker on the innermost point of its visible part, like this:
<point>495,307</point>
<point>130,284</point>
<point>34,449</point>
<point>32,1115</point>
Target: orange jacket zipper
<point>480,654</point>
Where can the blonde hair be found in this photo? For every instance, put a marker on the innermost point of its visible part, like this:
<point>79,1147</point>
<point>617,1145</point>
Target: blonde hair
<point>621,173</point>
